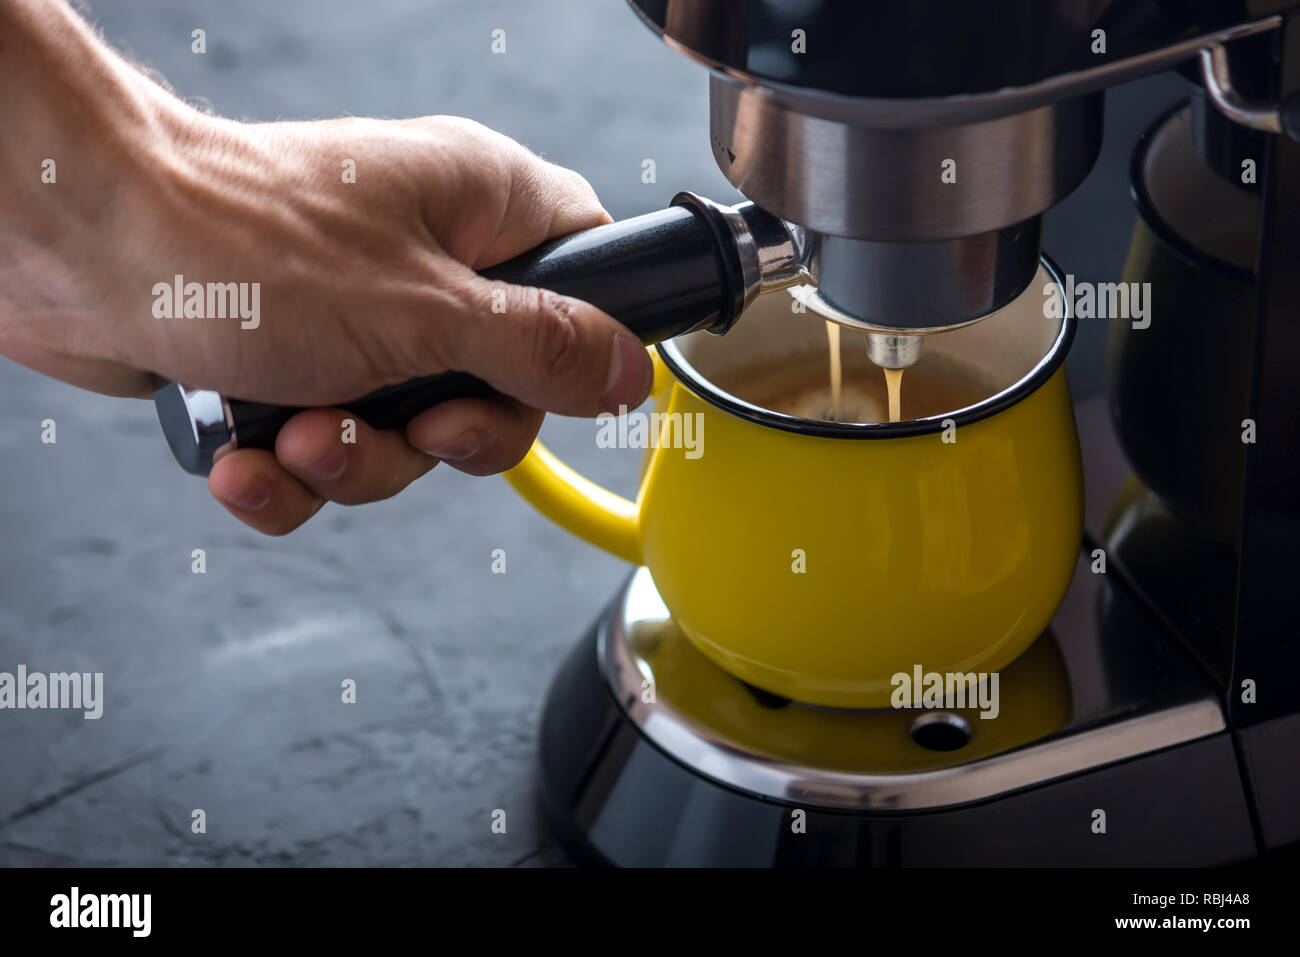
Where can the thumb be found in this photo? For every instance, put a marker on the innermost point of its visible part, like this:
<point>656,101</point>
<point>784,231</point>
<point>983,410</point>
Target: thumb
<point>549,351</point>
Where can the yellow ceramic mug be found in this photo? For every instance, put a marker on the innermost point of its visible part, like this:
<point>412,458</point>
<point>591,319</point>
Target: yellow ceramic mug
<point>817,560</point>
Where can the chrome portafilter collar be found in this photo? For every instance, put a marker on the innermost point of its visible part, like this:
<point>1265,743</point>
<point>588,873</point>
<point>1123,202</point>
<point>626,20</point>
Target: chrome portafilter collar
<point>900,292</point>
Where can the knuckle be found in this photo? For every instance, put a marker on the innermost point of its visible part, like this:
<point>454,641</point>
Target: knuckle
<point>374,480</point>
<point>463,124</point>
<point>402,473</point>
<point>555,342</point>
<point>578,186</point>
<point>283,525</point>
<point>510,454</point>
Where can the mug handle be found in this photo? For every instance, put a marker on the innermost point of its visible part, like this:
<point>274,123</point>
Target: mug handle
<point>579,505</point>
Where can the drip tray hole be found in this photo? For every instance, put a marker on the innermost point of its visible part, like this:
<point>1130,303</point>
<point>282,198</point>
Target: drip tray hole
<point>766,699</point>
<point>941,731</point>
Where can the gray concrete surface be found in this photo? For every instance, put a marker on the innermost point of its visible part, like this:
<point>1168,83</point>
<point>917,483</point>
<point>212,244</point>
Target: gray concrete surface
<point>223,689</point>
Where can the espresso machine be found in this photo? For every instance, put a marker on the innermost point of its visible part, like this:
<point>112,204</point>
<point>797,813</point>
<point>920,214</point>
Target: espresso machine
<point>897,160</point>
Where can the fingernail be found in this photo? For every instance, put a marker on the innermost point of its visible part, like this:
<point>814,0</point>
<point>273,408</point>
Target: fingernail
<point>328,465</point>
<point>252,497</point>
<point>629,374</point>
<point>462,447</point>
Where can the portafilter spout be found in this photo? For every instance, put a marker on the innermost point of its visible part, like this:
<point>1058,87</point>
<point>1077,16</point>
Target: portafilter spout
<point>901,292</point>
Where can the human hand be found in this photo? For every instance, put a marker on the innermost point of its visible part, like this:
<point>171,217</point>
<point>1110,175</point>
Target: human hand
<point>361,283</point>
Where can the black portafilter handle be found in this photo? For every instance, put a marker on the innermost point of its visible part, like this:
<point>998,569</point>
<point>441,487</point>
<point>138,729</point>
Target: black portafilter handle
<point>694,265</point>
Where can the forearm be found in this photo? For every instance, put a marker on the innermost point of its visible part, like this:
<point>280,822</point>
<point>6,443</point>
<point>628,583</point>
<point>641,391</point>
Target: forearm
<point>83,136</point>
<point>77,118</point>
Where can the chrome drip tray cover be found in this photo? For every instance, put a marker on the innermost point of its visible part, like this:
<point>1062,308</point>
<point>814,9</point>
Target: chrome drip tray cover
<point>904,758</point>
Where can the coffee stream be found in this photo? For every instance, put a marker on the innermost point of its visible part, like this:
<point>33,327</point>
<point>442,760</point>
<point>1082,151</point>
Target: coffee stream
<point>894,383</point>
<point>801,385</point>
<point>837,375</point>
<point>893,379</point>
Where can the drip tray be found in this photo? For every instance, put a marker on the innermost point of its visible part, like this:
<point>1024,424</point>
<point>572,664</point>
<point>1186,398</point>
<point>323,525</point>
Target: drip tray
<point>1100,685</point>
